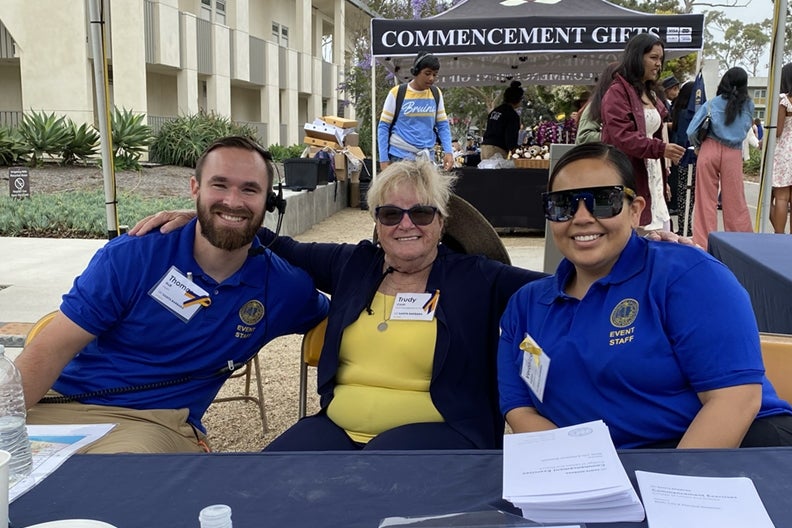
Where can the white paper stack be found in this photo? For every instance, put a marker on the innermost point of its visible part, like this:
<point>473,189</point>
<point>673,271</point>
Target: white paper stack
<point>572,474</point>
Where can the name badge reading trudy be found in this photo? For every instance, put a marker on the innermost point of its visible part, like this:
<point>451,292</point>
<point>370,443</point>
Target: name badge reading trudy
<point>535,366</point>
<point>180,295</point>
<point>415,306</point>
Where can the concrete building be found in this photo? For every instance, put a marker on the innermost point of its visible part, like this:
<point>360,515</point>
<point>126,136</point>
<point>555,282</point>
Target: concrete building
<point>274,64</point>
<point>757,89</point>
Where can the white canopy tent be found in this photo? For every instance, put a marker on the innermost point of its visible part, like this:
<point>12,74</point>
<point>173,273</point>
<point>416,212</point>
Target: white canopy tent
<point>490,42</point>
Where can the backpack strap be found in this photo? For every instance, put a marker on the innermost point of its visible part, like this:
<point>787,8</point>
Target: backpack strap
<point>400,93</point>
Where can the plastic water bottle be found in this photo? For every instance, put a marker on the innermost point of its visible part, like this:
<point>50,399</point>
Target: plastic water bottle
<point>13,433</point>
<point>215,516</point>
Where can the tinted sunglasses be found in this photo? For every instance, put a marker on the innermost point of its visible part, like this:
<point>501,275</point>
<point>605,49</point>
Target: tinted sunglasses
<point>420,215</point>
<point>601,202</point>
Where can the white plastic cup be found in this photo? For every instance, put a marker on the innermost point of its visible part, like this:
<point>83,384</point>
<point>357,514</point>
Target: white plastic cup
<point>5,457</point>
<point>215,516</point>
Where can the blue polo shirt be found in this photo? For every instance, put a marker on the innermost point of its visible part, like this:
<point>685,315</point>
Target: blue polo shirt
<point>669,321</point>
<point>140,342</point>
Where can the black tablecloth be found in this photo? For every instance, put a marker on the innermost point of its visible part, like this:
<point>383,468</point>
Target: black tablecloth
<point>762,263</point>
<point>338,489</point>
<point>508,198</point>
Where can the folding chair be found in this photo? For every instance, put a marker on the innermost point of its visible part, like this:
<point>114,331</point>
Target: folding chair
<point>247,371</point>
<point>312,343</point>
<point>777,357</point>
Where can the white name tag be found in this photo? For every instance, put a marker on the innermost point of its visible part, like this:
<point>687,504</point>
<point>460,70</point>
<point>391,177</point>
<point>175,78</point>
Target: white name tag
<point>415,306</point>
<point>535,366</point>
<point>180,295</point>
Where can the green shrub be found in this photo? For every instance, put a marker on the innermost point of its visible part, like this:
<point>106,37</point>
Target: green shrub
<point>82,142</point>
<point>75,214</point>
<point>280,153</point>
<point>751,166</point>
<point>181,141</point>
<point>131,137</point>
<point>44,134</point>
<point>13,149</point>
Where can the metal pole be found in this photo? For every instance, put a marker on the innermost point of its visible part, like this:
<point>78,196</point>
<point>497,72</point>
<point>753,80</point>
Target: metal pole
<point>373,117</point>
<point>688,194</point>
<point>103,115</point>
<point>769,140</point>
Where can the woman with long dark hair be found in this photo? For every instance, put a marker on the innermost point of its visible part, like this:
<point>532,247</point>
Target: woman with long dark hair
<point>590,122</point>
<point>680,119</point>
<point>632,121</point>
<point>720,157</point>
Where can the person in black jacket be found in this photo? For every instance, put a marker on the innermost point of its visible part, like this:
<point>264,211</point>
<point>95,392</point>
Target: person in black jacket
<point>503,124</point>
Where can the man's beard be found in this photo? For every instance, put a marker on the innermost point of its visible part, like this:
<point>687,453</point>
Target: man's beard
<point>228,239</point>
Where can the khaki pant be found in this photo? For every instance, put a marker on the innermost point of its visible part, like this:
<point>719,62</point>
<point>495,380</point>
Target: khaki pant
<point>136,431</point>
<point>488,151</point>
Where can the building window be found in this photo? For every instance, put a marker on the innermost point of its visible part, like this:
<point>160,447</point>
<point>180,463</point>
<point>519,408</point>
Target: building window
<point>327,48</point>
<point>284,37</point>
<point>275,32</point>
<point>760,113</point>
<point>760,93</point>
<point>206,10</point>
<point>220,12</point>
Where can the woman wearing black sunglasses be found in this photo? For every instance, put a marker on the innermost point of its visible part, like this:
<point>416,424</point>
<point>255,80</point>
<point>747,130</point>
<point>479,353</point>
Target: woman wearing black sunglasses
<point>657,340</point>
<point>409,358</point>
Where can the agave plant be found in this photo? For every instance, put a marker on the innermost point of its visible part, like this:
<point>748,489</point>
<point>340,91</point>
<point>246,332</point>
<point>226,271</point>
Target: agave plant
<point>131,137</point>
<point>182,140</point>
<point>44,134</point>
<point>82,143</point>
<point>13,149</point>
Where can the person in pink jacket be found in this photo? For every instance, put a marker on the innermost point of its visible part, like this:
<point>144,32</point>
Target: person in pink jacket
<point>632,119</point>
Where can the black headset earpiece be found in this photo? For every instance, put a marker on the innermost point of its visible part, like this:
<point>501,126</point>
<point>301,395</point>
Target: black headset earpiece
<point>416,67</point>
<point>276,200</point>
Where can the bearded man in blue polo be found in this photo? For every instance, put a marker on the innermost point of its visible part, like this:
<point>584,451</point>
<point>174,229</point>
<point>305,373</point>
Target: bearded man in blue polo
<point>154,326</point>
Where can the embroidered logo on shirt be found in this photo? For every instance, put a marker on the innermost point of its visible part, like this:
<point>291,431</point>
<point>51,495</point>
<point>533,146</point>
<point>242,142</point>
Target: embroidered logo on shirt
<point>625,313</point>
<point>252,312</point>
<point>622,316</point>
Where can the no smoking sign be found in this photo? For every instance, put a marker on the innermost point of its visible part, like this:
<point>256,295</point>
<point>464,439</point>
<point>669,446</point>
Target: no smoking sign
<point>18,182</point>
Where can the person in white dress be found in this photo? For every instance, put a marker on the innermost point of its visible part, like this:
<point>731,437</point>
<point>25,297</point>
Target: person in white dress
<point>782,157</point>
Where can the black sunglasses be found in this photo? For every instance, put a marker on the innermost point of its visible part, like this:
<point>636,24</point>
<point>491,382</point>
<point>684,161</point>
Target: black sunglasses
<point>420,215</point>
<point>602,202</point>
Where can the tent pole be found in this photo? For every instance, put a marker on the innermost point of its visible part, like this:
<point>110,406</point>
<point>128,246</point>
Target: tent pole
<point>771,118</point>
<point>103,115</point>
<point>373,117</point>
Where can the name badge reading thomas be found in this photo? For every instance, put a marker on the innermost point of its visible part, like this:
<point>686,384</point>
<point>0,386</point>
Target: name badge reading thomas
<point>180,295</point>
<point>415,306</point>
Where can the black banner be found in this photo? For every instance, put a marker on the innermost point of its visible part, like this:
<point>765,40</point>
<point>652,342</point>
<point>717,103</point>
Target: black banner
<point>531,34</point>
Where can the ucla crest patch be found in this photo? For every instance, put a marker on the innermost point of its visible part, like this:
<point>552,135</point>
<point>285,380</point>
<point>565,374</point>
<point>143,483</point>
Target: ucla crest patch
<point>252,312</point>
<point>625,313</point>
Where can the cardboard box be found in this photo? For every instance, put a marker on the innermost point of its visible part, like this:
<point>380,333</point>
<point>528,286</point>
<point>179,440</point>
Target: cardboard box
<point>323,131</point>
<point>321,143</point>
<point>340,122</point>
<point>352,139</point>
<point>340,160</point>
<point>354,194</point>
<point>356,152</point>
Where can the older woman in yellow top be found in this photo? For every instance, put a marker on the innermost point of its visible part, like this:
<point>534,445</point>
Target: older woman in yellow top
<point>409,358</point>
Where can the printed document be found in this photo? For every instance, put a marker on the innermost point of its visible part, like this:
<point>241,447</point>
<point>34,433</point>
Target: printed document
<point>677,501</point>
<point>52,445</point>
<point>571,474</point>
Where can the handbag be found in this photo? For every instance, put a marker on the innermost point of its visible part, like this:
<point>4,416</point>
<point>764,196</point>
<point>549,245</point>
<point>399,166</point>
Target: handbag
<point>704,127</point>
